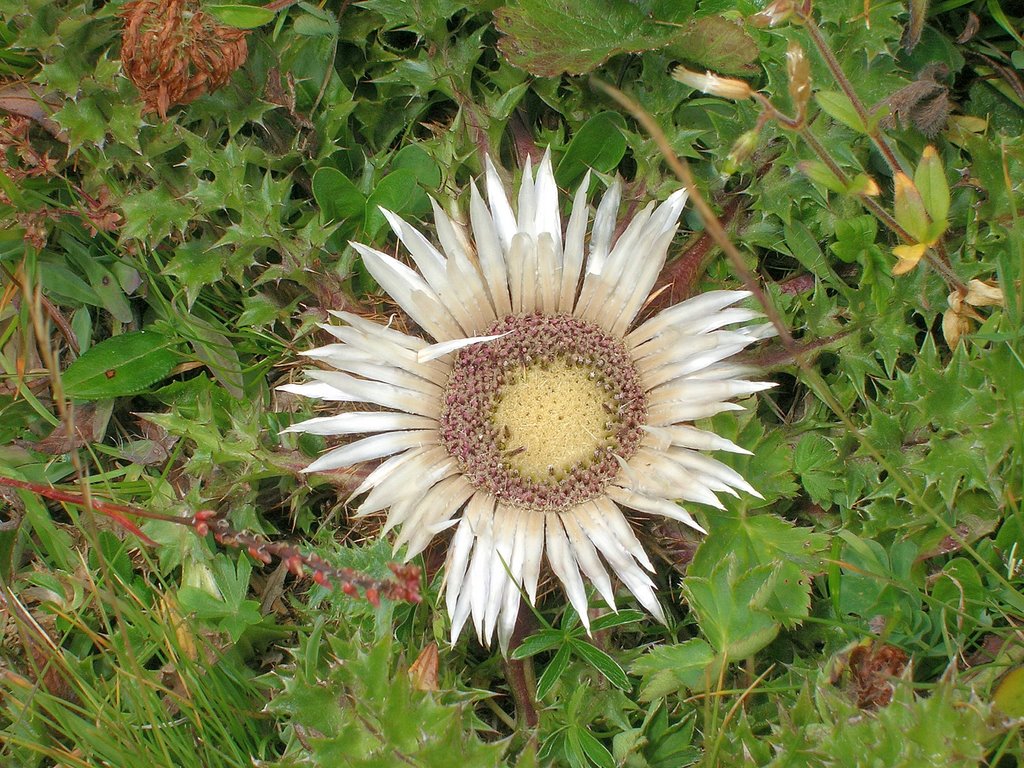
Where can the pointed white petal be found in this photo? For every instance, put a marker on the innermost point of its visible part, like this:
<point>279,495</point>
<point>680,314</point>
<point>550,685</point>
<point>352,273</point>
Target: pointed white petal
<point>361,421</point>
<point>698,307</point>
<point>587,557</point>
<point>501,211</point>
<point>393,464</point>
<point>459,551</point>
<point>506,521</point>
<point>674,413</point>
<point>455,297</point>
<point>385,374</point>
<point>527,203</point>
<point>618,274</point>
<point>712,468</point>
<point>406,480</point>
<point>513,597</point>
<point>315,389</point>
<point>636,291</point>
<point>692,391</point>
<point>441,349</point>
<point>490,253</point>
<point>651,473</point>
<point>480,569</point>
<point>411,293</point>
<point>594,517</point>
<point>546,218</point>
<point>532,527</point>
<point>572,258</point>
<point>690,437</point>
<point>369,328</point>
<point>549,275</point>
<point>373,448</point>
<point>432,513</point>
<point>350,389</point>
<point>522,273</point>
<point>653,505</point>
<point>563,563</point>
<point>363,347</point>
<point>604,227</point>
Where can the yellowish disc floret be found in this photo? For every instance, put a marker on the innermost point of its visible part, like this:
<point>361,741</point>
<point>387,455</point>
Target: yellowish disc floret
<point>551,418</point>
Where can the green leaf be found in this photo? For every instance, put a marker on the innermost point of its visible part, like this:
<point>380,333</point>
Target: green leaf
<point>542,641</point>
<point>548,38</point>
<point>729,603</point>
<point>816,461</point>
<point>218,353</point>
<point>930,180</point>
<point>596,751</point>
<point>553,672</point>
<point>337,196</point>
<point>120,366</point>
<point>908,208</point>
<point>838,106</point>
<point>1009,696</point>
<point>609,620</point>
<point>715,43</point>
<point>668,669</point>
<point>598,144</point>
<point>821,174</point>
<point>397,192</point>
<point>315,25</point>
<point>602,662</point>
<point>241,16</point>
<point>152,215</point>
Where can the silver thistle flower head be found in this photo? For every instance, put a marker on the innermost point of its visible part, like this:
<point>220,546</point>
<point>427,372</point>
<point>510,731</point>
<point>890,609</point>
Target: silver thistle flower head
<point>536,420</point>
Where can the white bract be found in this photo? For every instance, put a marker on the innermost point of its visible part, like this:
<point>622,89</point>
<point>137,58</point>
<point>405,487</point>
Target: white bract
<point>536,420</point>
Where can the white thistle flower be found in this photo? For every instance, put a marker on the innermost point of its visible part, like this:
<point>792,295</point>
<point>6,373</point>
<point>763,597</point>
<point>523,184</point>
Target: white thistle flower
<point>537,423</point>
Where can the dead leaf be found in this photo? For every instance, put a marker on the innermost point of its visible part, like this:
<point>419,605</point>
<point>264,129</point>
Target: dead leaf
<point>424,670</point>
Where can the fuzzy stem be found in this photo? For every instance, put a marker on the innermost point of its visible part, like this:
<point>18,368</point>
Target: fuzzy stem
<point>847,87</point>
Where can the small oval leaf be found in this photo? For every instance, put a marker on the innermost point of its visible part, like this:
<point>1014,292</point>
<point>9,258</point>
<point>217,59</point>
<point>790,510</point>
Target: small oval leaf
<point>124,365</point>
<point>240,16</point>
<point>598,144</point>
<point>338,197</point>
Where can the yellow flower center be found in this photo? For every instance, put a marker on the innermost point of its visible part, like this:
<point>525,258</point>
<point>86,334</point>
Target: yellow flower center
<point>550,418</point>
<point>541,416</point>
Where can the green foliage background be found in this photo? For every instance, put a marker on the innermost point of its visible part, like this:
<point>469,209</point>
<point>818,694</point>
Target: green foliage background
<point>890,462</point>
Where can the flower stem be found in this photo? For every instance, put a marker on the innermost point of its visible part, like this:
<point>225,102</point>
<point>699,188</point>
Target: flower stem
<point>847,87</point>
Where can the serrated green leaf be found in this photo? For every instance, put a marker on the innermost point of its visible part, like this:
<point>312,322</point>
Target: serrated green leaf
<point>729,603</point>
<point>667,669</point>
<point>715,43</point>
<point>123,365</point>
<point>548,38</point>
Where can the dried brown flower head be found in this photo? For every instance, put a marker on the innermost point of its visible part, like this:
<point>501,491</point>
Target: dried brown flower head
<point>924,103</point>
<point>174,52</point>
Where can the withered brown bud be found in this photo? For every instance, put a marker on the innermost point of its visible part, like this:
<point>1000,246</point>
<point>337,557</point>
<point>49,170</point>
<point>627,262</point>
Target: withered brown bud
<point>174,52</point>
